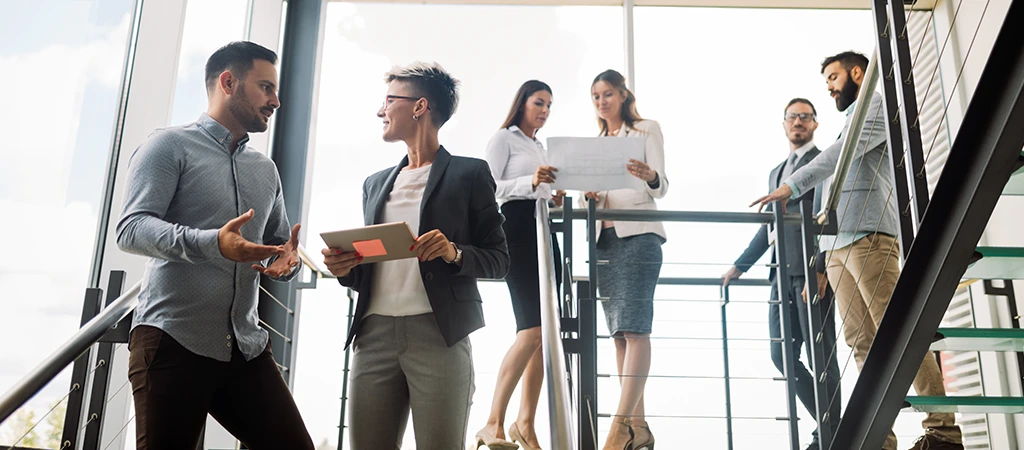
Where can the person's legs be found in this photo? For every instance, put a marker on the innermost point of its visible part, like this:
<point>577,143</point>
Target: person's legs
<point>378,394</point>
<point>851,270</point>
<point>533,378</point>
<point>519,358</point>
<point>799,327</point>
<point>827,343</point>
<point>254,404</point>
<point>879,274</point>
<point>172,388</point>
<point>440,381</point>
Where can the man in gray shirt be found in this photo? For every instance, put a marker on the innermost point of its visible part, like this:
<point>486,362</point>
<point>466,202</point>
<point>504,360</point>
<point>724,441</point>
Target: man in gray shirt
<point>863,259</point>
<point>209,212</point>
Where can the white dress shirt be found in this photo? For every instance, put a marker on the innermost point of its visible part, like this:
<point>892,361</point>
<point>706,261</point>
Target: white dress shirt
<point>514,157</point>
<point>397,285</point>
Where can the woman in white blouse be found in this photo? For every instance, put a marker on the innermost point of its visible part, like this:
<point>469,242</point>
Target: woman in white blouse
<point>633,254</point>
<point>519,165</point>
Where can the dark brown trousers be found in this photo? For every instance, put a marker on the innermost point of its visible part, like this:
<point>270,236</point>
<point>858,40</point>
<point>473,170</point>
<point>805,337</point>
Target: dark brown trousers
<point>175,389</point>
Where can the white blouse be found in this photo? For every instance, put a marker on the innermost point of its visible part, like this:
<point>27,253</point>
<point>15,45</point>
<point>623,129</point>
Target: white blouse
<point>397,285</point>
<point>514,157</point>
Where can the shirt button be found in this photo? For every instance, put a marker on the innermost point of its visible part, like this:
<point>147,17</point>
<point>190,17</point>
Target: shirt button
<point>429,276</point>
<point>229,345</point>
<point>228,337</point>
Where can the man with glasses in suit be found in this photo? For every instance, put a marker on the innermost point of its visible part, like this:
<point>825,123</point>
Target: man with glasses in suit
<point>799,123</point>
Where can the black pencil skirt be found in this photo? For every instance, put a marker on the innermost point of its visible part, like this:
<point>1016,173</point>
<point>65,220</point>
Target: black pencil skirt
<point>523,283</point>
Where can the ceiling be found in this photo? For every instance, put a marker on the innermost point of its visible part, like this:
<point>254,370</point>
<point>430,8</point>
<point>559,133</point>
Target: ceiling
<point>802,4</point>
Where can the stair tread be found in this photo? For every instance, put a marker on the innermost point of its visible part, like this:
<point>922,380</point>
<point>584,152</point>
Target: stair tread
<point>1016,184</point>
<point>980,339</point>
<point>996,405</point>
<point>998,263</point>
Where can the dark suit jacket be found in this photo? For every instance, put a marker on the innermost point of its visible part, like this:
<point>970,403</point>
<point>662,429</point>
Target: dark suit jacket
<point>794,238</point>
<point>459,201</point>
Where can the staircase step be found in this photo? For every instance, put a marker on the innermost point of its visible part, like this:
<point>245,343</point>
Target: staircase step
<point>980,339</point>
<point>976,405</point>
<point>997,263</point>
<point>1016,184</point>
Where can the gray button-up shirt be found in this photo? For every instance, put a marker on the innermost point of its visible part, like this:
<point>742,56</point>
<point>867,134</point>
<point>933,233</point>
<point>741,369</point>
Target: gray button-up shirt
<point>184,183</point>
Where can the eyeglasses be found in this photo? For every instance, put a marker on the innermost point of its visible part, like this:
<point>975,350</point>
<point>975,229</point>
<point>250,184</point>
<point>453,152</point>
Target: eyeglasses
<point>806,117</point>
<point>389,98</point>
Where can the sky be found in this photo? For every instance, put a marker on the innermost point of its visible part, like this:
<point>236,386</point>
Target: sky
<point>716,79</point>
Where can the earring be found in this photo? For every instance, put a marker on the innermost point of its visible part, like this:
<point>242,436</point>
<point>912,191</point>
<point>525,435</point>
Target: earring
<point>415,117</point>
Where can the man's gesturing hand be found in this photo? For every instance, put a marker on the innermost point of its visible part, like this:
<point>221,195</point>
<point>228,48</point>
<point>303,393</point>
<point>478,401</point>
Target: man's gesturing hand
<point>236,248</point>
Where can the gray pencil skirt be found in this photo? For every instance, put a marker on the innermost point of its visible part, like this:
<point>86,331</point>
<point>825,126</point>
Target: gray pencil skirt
<point>628,279</point>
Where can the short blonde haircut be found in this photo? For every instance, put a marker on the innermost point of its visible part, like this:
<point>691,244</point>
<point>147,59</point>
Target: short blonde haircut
<point>432,82</point>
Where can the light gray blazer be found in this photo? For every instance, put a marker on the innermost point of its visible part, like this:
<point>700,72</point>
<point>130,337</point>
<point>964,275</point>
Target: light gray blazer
<point>868,186</point>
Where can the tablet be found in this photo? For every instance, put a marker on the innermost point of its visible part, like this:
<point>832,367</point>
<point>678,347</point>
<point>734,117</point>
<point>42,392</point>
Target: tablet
<point>382,242</point>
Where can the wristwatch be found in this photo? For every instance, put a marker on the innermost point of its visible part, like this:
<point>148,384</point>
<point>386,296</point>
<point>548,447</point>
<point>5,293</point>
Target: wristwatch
<point>458,255</point>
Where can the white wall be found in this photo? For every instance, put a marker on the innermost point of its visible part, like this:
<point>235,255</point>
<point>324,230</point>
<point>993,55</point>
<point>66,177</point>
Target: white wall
<point>974,29</point>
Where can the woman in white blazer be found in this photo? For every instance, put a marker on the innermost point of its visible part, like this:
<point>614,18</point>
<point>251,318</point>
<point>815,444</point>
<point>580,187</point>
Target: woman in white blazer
<point>633,252</point>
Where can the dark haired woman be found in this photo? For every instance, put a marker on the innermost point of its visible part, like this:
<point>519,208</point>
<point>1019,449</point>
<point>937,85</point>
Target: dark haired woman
<point>633,252</point>
<point>519,165</point>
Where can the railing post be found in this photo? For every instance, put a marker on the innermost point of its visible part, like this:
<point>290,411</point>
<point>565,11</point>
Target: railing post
<point>890,100</point>
<point>785,290</point>
<point>725,359</point>
<point>587,295</point>
<point>345,371</point>
<point>80,375</point>
<point>822,390</point>
<point>101,376</point>
<point>910,121</point>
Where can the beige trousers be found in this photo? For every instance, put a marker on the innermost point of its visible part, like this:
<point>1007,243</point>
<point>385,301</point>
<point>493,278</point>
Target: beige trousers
<point>863,276</point>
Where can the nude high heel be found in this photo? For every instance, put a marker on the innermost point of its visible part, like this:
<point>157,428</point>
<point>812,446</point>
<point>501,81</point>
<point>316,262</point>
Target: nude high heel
<point>516,436</point>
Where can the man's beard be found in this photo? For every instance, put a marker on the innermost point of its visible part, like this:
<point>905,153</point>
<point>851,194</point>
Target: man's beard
<point>242,109</point>
<point>847,95</point>
<point>800,142</point>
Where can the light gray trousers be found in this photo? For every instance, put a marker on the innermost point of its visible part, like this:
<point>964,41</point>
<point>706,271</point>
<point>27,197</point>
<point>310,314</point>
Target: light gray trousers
<point>401,364</point>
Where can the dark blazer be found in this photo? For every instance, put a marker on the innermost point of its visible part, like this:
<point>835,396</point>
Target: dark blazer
<point>794,238</point>
<point>459,201</point>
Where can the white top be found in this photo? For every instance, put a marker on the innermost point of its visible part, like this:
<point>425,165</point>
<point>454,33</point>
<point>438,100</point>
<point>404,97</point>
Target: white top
<point>654,153</point>
<point>514,157</point>
<point>397,285</point>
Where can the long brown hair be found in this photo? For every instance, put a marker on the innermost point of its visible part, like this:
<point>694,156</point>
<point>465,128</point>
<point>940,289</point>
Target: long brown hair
<point>628,112</point>
<point>515,114</point>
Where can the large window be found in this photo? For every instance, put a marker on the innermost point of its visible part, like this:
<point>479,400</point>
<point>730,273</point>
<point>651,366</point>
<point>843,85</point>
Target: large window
<point>209,25</point>
<point>62,65</point>
<point>492,50</point>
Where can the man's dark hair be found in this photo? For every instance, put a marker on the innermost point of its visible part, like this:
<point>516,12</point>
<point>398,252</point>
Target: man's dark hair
<point>238,57</point>
<point>848,60</point>
<point>801,100</point>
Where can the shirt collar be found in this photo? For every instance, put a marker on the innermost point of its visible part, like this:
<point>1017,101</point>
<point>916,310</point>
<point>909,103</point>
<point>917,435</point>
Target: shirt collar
<point>516,129</point>
<point>851,108</point>
<point>802,150</point>
<point>219,133</point>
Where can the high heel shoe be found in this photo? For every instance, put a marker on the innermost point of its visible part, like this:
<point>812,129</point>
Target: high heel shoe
<point>649,444</point>
<point>624,421</point>
<point>492,442</point>
<point>516,436</point>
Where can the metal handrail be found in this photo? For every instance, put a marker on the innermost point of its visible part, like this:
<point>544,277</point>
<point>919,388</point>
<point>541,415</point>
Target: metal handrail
<point>647,215</point>
<point>89,334</point>
<point>319,270</point>
<point>563,435</point>
<point>852,137</point>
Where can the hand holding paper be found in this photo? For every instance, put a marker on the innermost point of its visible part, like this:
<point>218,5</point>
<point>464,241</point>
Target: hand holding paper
<point>598,163</point>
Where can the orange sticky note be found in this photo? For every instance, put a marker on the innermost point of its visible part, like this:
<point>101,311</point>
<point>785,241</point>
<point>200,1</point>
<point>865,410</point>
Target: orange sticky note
<point>372,247</point>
